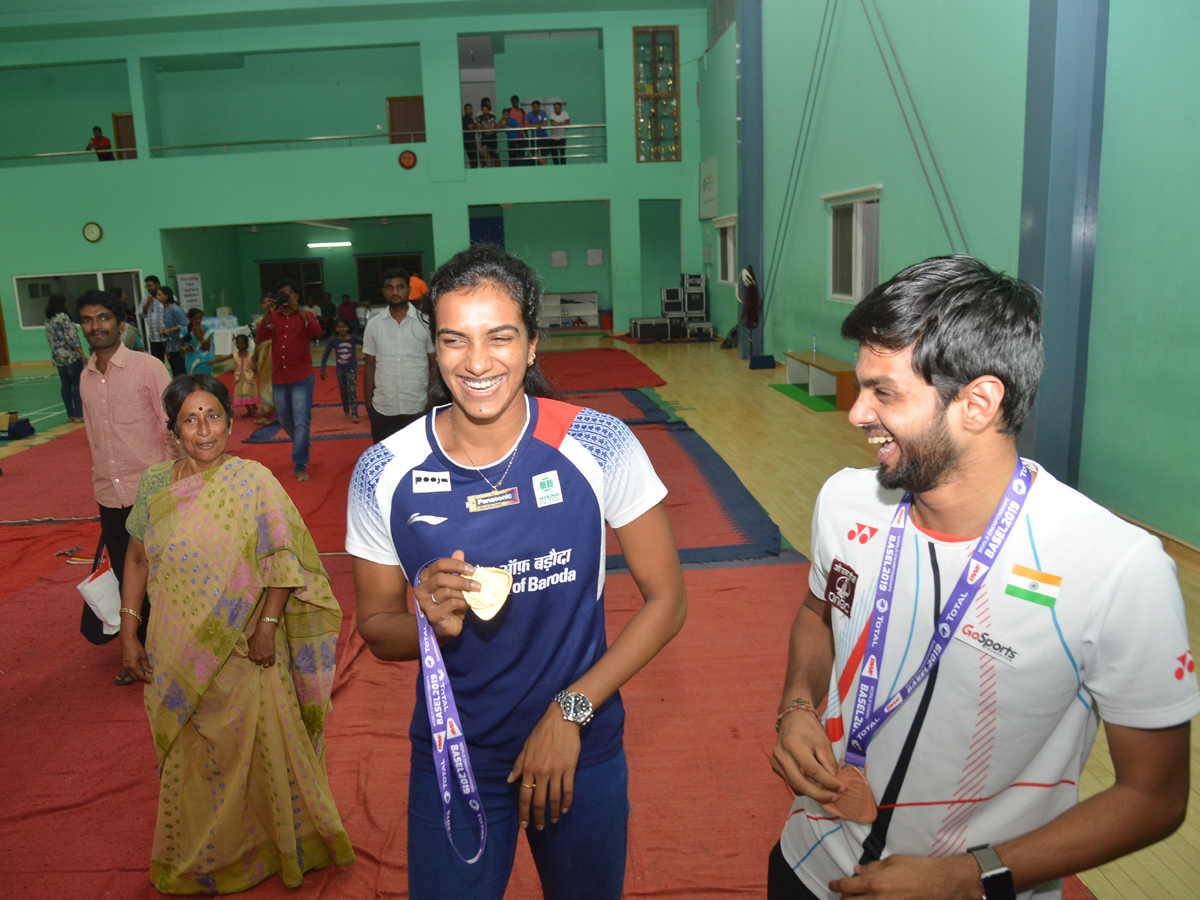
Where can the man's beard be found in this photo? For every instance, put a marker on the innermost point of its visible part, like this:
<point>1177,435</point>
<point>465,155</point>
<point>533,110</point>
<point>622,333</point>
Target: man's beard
<point>925,459</point>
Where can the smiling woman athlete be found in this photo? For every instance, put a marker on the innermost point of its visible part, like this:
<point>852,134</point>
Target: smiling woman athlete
<point>499,475</point>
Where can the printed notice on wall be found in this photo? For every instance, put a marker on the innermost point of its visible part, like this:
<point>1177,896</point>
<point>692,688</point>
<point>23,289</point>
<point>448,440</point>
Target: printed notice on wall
<point>191,294</point>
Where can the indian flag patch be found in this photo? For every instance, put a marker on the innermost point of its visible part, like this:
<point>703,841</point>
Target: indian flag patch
<point>1034,586</point>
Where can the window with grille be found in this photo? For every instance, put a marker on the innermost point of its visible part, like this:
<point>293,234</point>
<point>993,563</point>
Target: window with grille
<point>308,273</point>
<point>371,269</point>
<point>853,244</point>
<point>726,249</point>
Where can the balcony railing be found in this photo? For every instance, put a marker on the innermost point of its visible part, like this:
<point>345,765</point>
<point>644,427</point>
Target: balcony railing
<point>581,143</point>
<point>225,147</point>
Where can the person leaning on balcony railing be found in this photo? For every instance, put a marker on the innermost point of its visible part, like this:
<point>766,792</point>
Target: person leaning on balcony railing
<point>485,124</point>
<point>469,145</point>
<point>537,144</point>
<point>513,119</point>
<point>557,142</point>
<point>102,145</point>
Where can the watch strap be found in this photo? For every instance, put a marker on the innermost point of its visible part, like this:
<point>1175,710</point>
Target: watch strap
<point>565,699</point>
<point>996,877</point>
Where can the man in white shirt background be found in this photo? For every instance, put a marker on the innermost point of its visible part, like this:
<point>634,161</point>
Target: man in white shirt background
<point>399,352</point>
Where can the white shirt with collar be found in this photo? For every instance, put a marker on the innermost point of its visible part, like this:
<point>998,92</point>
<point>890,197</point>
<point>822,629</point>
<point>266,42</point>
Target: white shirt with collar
<point>401,350</point>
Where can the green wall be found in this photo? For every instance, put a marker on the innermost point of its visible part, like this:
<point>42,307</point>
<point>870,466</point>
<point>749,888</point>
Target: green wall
<point>48,109</point>
<point>289,240</point>
<point>211,252</point>
<point>965,65</point>
<point>533,230</point>
<point>1142,371</point>
<point>659,221</point>
<point>718,137</point>
<point>295,94</point>
<point>137,200</point>
<point>567,67</point>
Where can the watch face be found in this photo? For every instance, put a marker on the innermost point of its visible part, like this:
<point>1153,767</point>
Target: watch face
<point>92,232</point>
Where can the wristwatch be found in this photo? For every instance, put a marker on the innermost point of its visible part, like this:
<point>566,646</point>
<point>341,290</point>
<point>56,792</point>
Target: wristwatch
<point>996,877</point>
<point>576,707</point>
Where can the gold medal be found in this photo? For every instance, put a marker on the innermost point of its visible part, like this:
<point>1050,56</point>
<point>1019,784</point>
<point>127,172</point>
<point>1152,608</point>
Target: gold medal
<point>494,585</point>
<point>856,803</point>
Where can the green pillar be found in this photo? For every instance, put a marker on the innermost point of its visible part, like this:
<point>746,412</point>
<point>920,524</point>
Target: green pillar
<point>626,249</point>
<point>451,233</point>
<point>443,150</point>
<point>143,96</point>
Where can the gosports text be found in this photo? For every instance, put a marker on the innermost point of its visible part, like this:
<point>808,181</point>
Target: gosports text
<point>987,643</point>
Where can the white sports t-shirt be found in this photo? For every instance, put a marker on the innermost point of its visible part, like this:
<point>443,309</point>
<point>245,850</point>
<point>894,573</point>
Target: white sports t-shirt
<point>1079,620</point>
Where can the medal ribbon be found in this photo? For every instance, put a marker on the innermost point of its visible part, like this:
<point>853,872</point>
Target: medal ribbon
<point>445,726</point>
<point>867,719</point>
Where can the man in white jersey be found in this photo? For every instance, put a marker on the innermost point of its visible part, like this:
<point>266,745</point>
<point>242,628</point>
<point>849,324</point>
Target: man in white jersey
<point>933,724</point>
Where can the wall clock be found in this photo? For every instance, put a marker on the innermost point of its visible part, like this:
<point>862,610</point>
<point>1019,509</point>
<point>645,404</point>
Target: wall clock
<point>93,232</point>
<point>408,159</point>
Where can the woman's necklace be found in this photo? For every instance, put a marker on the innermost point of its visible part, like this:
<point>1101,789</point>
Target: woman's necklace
<point>179,469</point>
<point>511,456</point>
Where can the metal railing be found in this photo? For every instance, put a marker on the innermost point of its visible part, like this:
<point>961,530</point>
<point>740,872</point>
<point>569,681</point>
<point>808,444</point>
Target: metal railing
<point>586,143</point>
<point>223,147</point>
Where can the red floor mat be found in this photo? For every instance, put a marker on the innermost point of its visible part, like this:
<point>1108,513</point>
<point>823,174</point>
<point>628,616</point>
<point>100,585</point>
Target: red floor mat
<point>81,778</point>
<point>602,369</point>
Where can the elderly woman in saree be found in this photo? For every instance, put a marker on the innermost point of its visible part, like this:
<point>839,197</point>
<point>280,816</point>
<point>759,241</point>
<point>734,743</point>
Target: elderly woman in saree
<point>238,661</point>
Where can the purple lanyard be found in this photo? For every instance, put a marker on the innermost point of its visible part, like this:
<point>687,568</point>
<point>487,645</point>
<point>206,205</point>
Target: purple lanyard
<point>445,726</point>
<point>867,719</point>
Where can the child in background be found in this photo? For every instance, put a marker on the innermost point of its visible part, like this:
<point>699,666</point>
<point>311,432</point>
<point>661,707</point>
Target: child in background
<point>342,344</point>
<point>245,385</point>
<point>197,345</point>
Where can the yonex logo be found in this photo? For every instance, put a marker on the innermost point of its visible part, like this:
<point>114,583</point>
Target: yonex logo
<point>861,533</point>
<point>1186,665</point>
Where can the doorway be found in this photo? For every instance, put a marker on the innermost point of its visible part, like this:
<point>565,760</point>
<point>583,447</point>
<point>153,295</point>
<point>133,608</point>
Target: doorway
<point>123,136</point>
<point>406,120</point>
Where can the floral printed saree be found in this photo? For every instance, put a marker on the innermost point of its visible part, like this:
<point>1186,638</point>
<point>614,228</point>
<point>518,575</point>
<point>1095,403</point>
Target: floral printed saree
<point>241,749</point>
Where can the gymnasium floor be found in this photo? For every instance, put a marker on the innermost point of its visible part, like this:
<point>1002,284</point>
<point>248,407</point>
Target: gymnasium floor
<point>782,452</point>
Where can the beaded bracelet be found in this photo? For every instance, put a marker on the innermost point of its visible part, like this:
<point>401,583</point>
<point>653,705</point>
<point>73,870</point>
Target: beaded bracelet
<point>798,703</point>
<point>269,619</point>
<point>132,612</point>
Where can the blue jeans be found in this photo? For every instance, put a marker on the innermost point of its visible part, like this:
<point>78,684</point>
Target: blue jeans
<point>582,857</point>
<point>69,375</point>
<point>293,408</point>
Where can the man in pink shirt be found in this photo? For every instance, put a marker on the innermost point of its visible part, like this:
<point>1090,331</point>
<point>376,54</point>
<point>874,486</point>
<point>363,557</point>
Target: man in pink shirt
<point>290,331</point>
<point>126,428</point>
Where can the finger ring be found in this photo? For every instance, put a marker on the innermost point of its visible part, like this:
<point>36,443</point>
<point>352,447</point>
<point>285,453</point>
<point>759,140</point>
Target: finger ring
<point>435,600</point>
<point>530,786</point>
